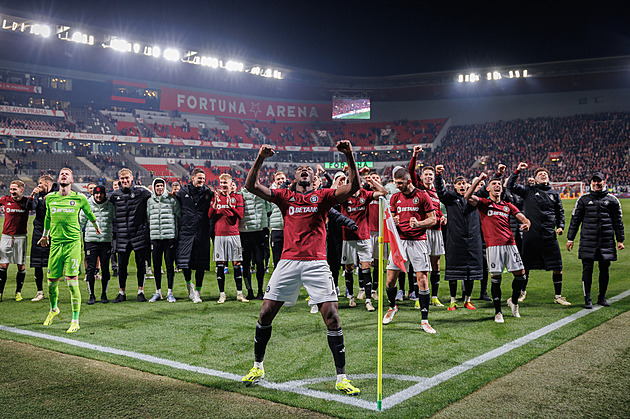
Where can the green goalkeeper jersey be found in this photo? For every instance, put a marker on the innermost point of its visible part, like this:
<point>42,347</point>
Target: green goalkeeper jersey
<point>62,216</point>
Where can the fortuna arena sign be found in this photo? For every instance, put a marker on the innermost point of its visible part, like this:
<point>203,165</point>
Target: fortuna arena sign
<point>81,136</point>
<point>186,101</point>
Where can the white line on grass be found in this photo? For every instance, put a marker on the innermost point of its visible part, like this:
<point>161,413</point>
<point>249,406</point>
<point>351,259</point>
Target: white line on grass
<point>296,386</point>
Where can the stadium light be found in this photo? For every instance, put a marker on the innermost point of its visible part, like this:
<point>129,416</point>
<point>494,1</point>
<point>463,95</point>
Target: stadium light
<point>171,54</point>
<point>41,30</point>
<point>234,66</point>
<point>136,48</point>
<point>120,45</point>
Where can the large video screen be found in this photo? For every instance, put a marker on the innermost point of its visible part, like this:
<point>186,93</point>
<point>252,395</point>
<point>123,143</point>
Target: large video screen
<point>346,108</point>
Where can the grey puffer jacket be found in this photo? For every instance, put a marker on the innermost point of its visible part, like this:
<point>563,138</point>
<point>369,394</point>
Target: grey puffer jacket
<point>254,212</point>
<point>163,213</point>
<point>104,213</point>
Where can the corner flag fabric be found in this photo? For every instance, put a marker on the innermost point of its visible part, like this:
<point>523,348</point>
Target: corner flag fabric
<point>390,235</point>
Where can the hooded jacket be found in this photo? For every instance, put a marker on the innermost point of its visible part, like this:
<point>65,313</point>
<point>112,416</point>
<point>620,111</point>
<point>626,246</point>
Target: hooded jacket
<point>193,244</point>
<point>163,213</point>
<point>130,217</point>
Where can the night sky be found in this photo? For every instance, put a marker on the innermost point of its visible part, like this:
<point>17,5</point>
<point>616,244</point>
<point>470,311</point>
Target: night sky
<point>360,38</point>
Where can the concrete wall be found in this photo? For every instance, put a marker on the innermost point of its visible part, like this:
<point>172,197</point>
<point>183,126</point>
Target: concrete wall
<point>464,111</point>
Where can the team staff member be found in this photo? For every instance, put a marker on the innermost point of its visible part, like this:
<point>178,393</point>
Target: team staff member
<point>39,254</point>
<point>98,246</point>
<point>163,212</point>
<point>303,259</point>
<point>13,240</point>
<point>193,237</point>
<point>63,233</point>
<point>464,252</point>
<point>543,207</point>
<point>254,228</point>
<point>132,231</point>
<point>599,214</point>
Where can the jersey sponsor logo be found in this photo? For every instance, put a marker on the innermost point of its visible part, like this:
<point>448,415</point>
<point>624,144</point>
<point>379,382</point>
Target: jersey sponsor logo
<point>301,210</point>
<point>499,213</point>
<point>406,209</point>
<point>354,209</point>
<point>54,210</point>
<point>9,210</point>
<point>314,199</point>
<point>220,206</point>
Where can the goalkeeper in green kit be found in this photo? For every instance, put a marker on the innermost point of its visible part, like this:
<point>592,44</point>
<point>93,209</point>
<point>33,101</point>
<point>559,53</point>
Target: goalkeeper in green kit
<point>63,233</point>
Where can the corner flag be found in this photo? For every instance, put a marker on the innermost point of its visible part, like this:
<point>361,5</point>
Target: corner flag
<point>390,235</point>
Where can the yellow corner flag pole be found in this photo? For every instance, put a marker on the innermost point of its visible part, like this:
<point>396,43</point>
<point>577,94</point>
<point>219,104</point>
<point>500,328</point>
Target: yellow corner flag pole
<point>379,399</point>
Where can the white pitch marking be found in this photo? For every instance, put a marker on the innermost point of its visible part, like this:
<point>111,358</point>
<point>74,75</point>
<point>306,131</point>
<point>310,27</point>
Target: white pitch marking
<point>296,386</point>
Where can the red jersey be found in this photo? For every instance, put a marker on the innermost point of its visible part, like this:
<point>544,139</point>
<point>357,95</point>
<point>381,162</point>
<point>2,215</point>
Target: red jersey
<point>495,222</point>
<point>415,181</point>
<point>373,215</point>
<point>417,204</point>
<point>304,218</point>
<point>227,215</point>
<point>15,216</point>
<point>356,208</point>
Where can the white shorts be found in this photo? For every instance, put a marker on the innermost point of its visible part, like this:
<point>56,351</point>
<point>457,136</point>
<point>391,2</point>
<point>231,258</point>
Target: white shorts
<point>374,240</point>
<point>503,257</point>
<point>416,252</point>
<point>228,249</point>
<point>351,250</point>
<point>435,241</point>
<point>289,276</point>
<point>13,249</point>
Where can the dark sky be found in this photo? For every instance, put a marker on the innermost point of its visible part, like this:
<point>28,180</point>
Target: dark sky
<point>361,38</point>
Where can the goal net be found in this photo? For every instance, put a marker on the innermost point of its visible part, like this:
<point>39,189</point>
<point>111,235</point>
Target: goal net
<point>568,189</point>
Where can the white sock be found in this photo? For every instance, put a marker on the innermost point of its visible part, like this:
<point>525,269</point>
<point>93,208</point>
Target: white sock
<point>170,290</point>
<point>453,299</point>
<point>121,292</point>
<point>140,291</point>
<point>466,298</point>
<point>258,364</point>
<point>158,292</point>
<point>558,296</point>
<point>239,292</point>
<point>341,377</point>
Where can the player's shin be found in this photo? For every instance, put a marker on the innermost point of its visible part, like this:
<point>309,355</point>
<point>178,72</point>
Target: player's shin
<point>435,283</point>
<point>19,280</point>
<point>53,294</point>
<point>557,283</point>
<point>367,282</point>
<point>238,277</point>
<point>75,298</point>
<point>349,275</point>
<point>221,276</point>
<point>3,279</point>
<point>261,338</point>
<point>335,342</point>
<point>495,290</point>
<point>424,299</point>
<point>517,286</point>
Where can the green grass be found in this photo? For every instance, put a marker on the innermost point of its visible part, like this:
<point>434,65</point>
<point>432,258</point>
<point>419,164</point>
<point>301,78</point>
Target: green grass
<point>220,336</point>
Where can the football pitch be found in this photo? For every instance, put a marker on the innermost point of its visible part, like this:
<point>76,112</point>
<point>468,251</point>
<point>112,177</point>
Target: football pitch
<point>212,344</point>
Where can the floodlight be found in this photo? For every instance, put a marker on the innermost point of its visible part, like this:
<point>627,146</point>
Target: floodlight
<point>234,66</point>
<point>120,45</point>
<point>171,54</point>
<point>41,30</point>
<point>136,48</point>
<point>77,37</point>
<point>156,51</point>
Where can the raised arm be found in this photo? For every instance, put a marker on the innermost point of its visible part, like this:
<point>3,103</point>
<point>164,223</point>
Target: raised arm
<point>252,183</point>
<point>377,187</point>
<point>512,186</point>
<point>344,192</point>
<point>469,195</point>
<point>412,165</point>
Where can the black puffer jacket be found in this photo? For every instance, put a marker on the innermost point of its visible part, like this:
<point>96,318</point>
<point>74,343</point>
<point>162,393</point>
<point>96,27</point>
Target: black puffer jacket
<point>39,254</point>
<point>193,246</point>
<point>130,218</point>
<point>599,213</point>
<point>542,206</point>
<point>464,255</point>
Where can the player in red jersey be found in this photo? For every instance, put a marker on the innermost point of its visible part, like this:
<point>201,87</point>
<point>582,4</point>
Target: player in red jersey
<point>501,247</point>
<point>227,211</point>
<point>303,259</point>
<point>435,240</point>
<point>413,213</point>
<point>13,240</point>
<point>357,246</point>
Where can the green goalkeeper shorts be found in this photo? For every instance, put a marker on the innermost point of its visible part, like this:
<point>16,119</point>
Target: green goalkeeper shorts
<point>64,259</point>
